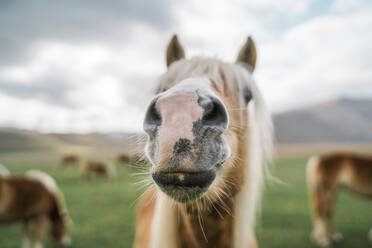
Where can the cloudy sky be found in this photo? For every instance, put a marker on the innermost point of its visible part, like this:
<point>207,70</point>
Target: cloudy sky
<point>81,66</point>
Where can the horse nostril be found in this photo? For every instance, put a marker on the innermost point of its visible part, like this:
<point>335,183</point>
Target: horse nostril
<point>152,118</point>
<point>215,113</point>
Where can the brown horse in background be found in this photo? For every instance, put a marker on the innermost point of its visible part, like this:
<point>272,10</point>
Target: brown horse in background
<point>134,158</point>
<point>69,160</point>
<point>326,173</point>
<point>34,199</point>
<point>98,168</point>
<point>209,135</point>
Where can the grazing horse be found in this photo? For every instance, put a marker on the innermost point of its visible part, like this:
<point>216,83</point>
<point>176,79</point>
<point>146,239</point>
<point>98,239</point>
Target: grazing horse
<point>100,169</point>
<point>325,174</point>
<point>209,135</point>
<point>34,199</point>
<point>124,158</point>
<point>134,158</point>
<point>68,160</point>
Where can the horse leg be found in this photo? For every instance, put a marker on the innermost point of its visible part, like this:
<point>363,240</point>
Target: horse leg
<point>323,180</point>
<point>26,234</point>
<point>323,196</point>
<point>370,235</point>
<point>39,231</point>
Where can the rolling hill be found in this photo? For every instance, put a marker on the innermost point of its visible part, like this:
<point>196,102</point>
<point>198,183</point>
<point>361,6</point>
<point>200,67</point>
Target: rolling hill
<point>18,140</point>
<point>340,120</point>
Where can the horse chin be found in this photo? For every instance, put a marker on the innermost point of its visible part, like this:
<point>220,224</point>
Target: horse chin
<point>185,187</point>
<point>184,194</point>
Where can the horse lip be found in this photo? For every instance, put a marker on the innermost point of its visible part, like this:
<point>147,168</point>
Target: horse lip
<point>201,179</point>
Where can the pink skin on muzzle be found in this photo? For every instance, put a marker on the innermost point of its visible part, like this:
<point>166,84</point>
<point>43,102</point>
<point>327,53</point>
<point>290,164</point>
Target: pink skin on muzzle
<point>178,110</point>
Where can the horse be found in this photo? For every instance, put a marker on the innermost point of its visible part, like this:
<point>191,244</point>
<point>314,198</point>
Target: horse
<point>68,160</point>
<point>124,158</point>
<point>325,173</point>
<point>100,169</point>
<point>135,158</point>
<point>209,139</point>
<point>34,199</point>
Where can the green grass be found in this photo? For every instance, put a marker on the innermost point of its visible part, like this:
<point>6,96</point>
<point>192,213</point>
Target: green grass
<point>103,213</point>
<point>285,220</point>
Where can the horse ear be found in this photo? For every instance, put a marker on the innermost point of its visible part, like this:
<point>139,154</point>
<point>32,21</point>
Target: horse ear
<point>174,51</point>
<point>248,54</point>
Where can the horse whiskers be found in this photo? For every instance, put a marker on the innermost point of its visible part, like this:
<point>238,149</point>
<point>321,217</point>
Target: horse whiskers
<point>212,204</point>
<point>136,200</point>
<point>200,218</point>
<point>153,198</point>
<point>135,166</point>
<point>141,173</point>
<point>219,201</point>
<point>230,183</point>
<point>144,184</point>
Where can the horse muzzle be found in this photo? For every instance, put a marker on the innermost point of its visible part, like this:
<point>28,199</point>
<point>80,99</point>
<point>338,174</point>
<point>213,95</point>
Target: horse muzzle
<point>184,179</point>
<point>186,142</point>
<point>184,186</point>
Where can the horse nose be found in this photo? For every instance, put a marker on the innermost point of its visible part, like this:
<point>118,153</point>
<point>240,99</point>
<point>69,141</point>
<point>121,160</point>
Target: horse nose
<point>215,114</point>
<point>152,119</point>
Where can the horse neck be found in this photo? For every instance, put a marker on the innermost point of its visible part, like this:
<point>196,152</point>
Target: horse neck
<point>206,224</point>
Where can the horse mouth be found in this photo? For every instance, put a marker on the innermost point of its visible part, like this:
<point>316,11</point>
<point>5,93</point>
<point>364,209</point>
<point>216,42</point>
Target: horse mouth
<point>184,186</point>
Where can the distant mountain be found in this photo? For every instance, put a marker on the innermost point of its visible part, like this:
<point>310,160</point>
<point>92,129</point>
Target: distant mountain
<point>337,121</point>
<point>13,140</point>
<point>340,120</point>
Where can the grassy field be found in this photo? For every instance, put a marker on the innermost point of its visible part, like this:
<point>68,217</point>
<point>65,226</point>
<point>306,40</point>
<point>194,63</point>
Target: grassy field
<point>103,213</point>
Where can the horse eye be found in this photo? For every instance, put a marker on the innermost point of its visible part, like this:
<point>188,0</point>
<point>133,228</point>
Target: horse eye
<point>247,95</point>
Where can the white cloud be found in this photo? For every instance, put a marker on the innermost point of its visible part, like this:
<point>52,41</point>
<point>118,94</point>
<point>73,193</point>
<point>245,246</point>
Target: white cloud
<point>213,27</point>
<point>106,91</point>
<point>345,6</point>
<point>325,57</point>
<point>104,84</point>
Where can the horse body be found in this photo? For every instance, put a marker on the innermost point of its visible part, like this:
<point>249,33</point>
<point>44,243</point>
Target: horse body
<point>325,174</point>
<point>98,168</point>
<point>209,134</point>
<point>124,158</point>
<point>134,157</point>
<point>34,198</point>
<point>69,160</point>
